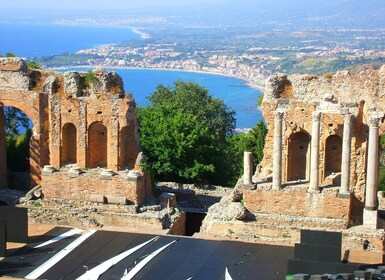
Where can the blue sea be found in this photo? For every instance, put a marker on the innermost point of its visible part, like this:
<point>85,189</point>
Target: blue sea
<point>29,40</point>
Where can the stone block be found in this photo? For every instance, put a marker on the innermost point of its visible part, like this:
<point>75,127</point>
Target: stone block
<point>74,172</point>
<point>114,199</point>
<point>167,199</point>
<point>371,218</point>
<point>98,198</point>
<point>133,176</point>
<point>48,170</point>
<point>107,174</point>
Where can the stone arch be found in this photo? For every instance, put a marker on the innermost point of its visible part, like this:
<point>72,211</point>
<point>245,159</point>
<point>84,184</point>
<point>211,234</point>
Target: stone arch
<point>69,144</point>
<point>35,145</point>
<point>333,154</point>
<point>298,156</point>
<point>284,89</point>
<point>127,147</point>
<point>97,145</point>
<point>31,112</point>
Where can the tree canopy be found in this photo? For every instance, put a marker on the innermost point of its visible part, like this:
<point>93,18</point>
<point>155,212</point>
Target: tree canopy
<point>183,132</point>
<point>188,136</point>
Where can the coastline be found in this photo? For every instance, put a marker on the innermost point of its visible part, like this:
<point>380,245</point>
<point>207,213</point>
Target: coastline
<point>142,34</point>
<point>248,83</point>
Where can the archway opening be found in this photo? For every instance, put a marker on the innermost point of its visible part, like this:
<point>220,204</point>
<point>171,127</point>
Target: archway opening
<point>333,155</point>
<point>127,147</point>
<point>298,156</point>
<point>16,132</point>
<point>68,147</point>
<point>97,145</point>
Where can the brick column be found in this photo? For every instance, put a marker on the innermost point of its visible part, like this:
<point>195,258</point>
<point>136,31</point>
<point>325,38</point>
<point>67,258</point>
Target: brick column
<point>3,151</point>
<point>314,163</point>
<point>346,150</point>
<point>371,203</point>
<point>277,160</point>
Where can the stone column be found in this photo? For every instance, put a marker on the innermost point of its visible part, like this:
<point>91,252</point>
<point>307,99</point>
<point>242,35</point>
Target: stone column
<point>247,168</point>
<point>3,151</point>
<point>370,211</point>
<point>314,162</point>
<point>346,150</point>
<point>277,160</point>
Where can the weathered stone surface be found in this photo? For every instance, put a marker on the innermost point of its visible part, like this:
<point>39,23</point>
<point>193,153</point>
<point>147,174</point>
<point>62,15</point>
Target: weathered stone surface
<point>98,198</point>
<point>181,194</point>
<point>167,199</point>
<point>114,199</point>
<point>226,210</point>
<point>72,83</point>
<point>14,74</point>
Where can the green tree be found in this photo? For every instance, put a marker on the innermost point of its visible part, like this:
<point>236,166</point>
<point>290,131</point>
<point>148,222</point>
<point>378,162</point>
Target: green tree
<point>16,121</point>
<point>18,133</point>
<point>184,134</point>
<point>252,141</point>
<point>10,55</point>
<point>18,151</point>
<point>34,65</point>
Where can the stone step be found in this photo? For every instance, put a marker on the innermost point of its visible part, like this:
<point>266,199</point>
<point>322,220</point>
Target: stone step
<point>299,222</point>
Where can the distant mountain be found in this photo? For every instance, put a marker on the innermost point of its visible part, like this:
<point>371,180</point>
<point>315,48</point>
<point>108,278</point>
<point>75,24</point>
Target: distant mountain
<point>258,14</point>
<point>284,14</point>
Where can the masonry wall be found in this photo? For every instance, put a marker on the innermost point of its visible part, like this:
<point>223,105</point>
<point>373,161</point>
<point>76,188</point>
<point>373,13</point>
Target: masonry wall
<point>298,96</point>
<point>296,201</point>
<point>61,185</point>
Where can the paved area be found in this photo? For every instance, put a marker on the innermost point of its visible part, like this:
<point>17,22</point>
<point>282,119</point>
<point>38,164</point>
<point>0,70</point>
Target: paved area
<point>184,258</point>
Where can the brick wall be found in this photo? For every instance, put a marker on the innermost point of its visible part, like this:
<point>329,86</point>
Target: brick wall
<point>297,201</point>
<point>61,185</point>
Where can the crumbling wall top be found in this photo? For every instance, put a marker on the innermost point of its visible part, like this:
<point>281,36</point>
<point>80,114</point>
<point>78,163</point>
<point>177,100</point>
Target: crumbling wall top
<point>15,76</point>
<point>369,85</point>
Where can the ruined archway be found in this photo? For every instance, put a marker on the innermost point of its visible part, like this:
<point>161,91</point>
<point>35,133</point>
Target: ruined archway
<point>19,148</point>
<point>69,142</point>
<point>97,145</point>
<point>298,156</point>
<point>333,155</point>
<point>127,147</point>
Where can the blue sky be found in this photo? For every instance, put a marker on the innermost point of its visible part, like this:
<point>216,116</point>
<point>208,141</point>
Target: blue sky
<point>98,4</point>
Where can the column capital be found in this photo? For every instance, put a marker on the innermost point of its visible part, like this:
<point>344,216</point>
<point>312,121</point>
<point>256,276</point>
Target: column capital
<point>375,118</point>
<point>316,116</point>
<point>278,114</point>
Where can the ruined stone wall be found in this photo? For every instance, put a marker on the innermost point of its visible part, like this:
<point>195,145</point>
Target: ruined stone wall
<point>299,95</point>
<point>64,107</point>
<point>90,185</point>
<point>296,201</point>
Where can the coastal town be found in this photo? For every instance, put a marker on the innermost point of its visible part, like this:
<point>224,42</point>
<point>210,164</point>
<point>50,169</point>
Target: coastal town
<point>250,57</point>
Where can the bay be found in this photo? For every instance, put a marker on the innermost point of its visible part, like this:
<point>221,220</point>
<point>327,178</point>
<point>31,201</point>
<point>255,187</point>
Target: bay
<point>234,92</point>
<point>35,39</point>
<point>38,39</point>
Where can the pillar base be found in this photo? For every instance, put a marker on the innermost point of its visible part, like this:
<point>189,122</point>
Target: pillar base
<point>249,186</point>
<point>344,194</point>
<point>314,190</point>
<point>371,218</point>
